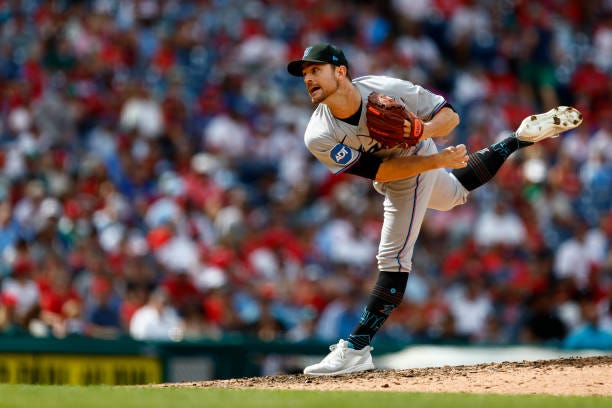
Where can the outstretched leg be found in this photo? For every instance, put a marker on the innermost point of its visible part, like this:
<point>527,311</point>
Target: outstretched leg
<point>483,164</point>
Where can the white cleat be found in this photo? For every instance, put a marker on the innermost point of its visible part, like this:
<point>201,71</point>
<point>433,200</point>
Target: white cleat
<point>544,125</point>
<point>343,360</point>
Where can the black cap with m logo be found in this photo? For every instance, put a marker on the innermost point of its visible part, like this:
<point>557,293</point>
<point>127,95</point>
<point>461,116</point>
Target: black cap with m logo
<point>322,53</point>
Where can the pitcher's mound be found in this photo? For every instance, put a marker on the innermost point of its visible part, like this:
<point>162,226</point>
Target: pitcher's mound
<point>565,376</point>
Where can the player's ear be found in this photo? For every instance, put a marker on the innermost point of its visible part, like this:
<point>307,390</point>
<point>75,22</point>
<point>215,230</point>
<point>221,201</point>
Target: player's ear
<point>340,71</point>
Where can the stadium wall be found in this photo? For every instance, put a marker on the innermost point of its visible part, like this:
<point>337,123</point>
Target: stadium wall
<point>85,361</point>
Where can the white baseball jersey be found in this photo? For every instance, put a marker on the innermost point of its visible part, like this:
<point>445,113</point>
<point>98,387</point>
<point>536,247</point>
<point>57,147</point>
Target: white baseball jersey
<point>339,145</point>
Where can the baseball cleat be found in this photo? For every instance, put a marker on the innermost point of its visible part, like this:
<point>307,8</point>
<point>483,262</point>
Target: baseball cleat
<point>544,125</point>
<point>342,360</point>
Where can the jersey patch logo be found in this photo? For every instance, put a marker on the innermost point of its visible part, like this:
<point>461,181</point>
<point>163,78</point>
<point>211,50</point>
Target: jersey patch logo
<point>341,154</point>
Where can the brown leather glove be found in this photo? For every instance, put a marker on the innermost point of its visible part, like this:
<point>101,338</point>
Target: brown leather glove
<point>385,120</point>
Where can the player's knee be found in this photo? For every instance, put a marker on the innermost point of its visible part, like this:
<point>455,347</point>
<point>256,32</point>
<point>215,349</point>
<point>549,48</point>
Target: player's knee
<point>460,197</point>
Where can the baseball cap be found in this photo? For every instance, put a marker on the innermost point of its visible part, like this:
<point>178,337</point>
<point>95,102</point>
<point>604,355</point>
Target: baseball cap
<point>320,53</point>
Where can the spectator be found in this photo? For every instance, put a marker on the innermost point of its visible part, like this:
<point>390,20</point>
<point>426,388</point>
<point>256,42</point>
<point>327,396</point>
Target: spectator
<point>102,319</point>
<point>602,42</point>
<point>541,323</point>
<point>605,319</point>
<point>8,321</point>
<point>590,334</point>
<point>181,291</point>
<point>601,140</point>
<point>577,255</point>
<point>61,306</point>
<point>338,317</point>
<point>21,291</point>
<point>9,229</point>
<point>197,325</point>
<point>157,320</point>
<point>500,226</point>
<point>141,114</point>
<point>135,298</point>
<point>215,137</point>
<point>267,327</point>
<point>471,308</point>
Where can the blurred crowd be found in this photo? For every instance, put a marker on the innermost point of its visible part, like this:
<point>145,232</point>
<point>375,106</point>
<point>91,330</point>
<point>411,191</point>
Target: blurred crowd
<point>155,183</point>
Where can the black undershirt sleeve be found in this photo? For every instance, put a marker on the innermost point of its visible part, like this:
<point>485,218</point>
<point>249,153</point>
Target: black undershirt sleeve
<point>366,166</point>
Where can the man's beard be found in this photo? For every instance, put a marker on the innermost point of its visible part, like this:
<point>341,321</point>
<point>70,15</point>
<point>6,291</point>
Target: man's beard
<point>323,94</point>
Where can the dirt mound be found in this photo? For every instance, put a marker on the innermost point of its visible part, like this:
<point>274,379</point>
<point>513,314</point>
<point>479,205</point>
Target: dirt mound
<point>566,376</point>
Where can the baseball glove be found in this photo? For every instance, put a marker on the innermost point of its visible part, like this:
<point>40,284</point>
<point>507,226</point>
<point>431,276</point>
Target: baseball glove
<point>385,119</point>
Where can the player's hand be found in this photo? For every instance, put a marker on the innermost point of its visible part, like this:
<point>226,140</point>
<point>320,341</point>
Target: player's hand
<point>453,157</point>
<point>408,132</point>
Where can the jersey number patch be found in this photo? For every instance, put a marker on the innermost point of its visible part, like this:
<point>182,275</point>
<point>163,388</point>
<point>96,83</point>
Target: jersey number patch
<point>341,154</point>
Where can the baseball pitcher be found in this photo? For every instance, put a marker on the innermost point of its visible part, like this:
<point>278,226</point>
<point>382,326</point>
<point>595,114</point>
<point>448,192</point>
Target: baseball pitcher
<point>382,128</point>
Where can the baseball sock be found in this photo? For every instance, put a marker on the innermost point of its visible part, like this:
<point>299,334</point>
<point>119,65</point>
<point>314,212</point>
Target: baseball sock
<point>483,164</point>
<point>384,298</point>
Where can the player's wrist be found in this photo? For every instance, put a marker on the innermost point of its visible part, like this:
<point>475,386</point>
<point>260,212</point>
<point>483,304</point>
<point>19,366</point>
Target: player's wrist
<point>437,160</point>
<point>428,131</point>
<point>431,131</point>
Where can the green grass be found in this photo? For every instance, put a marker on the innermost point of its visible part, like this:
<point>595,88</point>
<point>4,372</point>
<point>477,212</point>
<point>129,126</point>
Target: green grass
<point>49,396</point>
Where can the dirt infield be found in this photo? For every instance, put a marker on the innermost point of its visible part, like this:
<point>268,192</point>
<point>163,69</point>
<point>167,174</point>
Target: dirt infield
<point>566,376</point>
